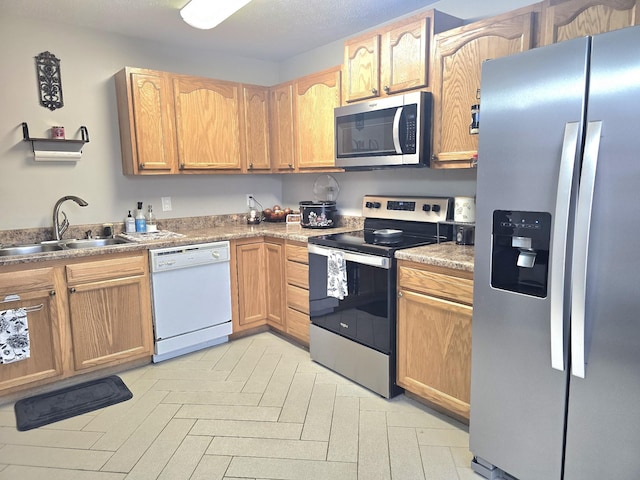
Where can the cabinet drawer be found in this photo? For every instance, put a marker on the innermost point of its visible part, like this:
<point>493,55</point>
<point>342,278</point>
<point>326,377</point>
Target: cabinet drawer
<point>17,283</point>
<point>298,298</point>
<point>298,324</point>
<point>106,269</point>
<point>298,274</point>
<point>436,284</point>
<point>297,253</point>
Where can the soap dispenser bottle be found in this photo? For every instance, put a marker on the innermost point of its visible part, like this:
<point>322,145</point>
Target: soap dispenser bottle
<point>151,220</point>
<point>141,222</point>
<point>130,224</point>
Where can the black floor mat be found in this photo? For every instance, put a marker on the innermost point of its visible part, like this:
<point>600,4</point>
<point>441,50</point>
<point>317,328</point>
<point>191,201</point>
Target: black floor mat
<point>39,410</point>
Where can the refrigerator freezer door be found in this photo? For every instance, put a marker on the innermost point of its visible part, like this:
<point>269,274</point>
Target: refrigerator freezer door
<point>603,427</point>
<point>517,399</point>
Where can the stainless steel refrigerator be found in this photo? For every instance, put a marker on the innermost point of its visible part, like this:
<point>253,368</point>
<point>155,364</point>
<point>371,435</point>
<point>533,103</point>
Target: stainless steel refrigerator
<point>555,388</point>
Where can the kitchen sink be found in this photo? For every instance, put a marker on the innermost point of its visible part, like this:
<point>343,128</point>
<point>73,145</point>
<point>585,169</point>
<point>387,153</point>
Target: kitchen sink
<point>94,242</point>
<point>57,245</point>
<point>29,249</point>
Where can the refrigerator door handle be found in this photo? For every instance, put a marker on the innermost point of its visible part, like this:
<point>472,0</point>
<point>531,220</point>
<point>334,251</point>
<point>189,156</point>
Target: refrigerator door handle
<point>581,248</point>
<point>559,243</point>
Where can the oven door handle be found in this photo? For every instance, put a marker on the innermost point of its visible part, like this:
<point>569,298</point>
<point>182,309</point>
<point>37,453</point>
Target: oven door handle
<point>371,260</point>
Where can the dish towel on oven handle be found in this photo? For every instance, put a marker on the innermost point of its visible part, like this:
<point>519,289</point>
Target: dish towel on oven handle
<point>14,335</point>
<point>336,275</point>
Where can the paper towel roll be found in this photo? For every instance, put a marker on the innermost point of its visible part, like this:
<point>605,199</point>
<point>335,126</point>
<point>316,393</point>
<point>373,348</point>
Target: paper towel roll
<point>56,156</point>
<point>464,209</point>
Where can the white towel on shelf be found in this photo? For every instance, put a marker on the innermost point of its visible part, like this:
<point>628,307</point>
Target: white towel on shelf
<point>14,335</point>
<point>337,275</point>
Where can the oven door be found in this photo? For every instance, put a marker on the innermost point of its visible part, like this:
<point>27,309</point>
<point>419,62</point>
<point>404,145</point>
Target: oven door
<point>366,314</point>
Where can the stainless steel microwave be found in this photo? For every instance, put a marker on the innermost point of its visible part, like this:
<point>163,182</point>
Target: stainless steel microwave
<point>390,131</point>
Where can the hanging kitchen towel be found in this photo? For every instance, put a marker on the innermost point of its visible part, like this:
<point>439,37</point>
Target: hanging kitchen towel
<point>336,275</point>
<point>14,335</point>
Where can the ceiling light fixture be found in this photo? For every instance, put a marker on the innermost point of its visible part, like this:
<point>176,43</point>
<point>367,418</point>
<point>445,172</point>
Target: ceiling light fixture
<point>206,14</point>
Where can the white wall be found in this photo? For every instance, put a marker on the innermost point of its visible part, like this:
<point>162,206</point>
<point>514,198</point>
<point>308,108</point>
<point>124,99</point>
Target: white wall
<point>88,62</point>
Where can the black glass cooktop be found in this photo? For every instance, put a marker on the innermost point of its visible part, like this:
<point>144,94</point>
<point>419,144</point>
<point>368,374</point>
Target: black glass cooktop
<point>413,234</point>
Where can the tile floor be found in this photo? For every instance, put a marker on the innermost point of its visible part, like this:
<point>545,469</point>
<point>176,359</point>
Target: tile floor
<point>253,408</point>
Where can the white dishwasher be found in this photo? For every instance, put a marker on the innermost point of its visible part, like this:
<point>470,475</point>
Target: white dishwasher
<point>191,289</point>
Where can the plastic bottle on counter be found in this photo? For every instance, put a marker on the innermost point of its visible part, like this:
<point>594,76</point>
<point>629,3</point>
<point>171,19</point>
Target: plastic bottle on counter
<point>141,222</point>
<point>151,220</point>
<point>129,224</point>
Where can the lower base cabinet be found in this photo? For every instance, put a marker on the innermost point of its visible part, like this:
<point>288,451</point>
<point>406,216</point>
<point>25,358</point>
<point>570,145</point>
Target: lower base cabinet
<point>434,335</point>
<point>83,315</point>
<point>297,275</point>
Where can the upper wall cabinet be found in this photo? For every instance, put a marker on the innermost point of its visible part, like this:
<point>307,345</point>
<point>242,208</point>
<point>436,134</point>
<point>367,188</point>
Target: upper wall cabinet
<point>254,120</point>
<point>207,123</point>
<point>394,58</point>
<point>457,61</point>
<point>147,127</point>
<point>281,122</point>
<point>315,97</point>
<point>173,123</point>
<point>567,19</point>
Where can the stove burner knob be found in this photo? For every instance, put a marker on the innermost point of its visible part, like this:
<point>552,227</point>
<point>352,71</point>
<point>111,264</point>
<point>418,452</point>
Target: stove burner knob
<point>376,205</point>
<point>369,204</point>
<point>435,208</point>
<point>426,208</point>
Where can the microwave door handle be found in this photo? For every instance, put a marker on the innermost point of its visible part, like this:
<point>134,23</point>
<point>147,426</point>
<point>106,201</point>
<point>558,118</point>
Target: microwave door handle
<point>396,130</point>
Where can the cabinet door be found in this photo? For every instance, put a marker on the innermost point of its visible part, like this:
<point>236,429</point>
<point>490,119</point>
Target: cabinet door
<point>207,123</point>
<point>35,288</point>
<point>404,60</point>
<point>458,58</point>
<point>281,123</point>
<point>316,96</point>
<point>434,350</point>
<point>255,128</point>
<point>361,68</point>
<point>274,268</point>
<point>567,19</point>
<point>250,288</point>
<point>110,307</point>
<point>146,116</point>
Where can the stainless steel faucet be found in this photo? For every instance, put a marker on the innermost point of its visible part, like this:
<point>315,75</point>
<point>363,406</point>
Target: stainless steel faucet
<point>60,227</point>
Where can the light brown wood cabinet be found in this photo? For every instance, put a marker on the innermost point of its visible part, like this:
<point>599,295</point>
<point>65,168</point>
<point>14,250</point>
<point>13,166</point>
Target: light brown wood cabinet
<point>248,282</point>
<point>394,58</point>
<point>254,121</point>
<point>297,290</point>
<point>458,57</point>
<point>567,19</point>
<point>110,323</point>
<point>207,123</point>
<point>147,126</point>
<point>281,124</point>
<point>36,289</point>
<point>434,335</point>
<point>315,97</point>
<point>275,282</point>
<point>95,314</point>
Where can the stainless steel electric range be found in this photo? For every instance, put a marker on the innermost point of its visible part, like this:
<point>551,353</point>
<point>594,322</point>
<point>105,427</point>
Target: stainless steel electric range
<point>353,316</point>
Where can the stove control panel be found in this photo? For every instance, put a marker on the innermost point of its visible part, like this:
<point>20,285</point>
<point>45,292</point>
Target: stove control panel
<point>415,209</point>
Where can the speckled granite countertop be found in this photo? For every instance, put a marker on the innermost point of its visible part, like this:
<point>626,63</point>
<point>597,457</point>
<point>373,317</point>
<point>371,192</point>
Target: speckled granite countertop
<point>449,255</point>
<point>191,236</point>
<point>444,254</point>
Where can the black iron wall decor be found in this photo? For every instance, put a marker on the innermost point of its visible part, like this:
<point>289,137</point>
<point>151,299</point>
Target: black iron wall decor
<point>48,70</point>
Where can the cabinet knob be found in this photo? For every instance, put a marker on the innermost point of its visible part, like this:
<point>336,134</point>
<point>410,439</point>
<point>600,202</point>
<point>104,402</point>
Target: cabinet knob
<point>399,294</point>
<point>72,290</point>
<point>182,165</point>
<point>386,89</point>
<point>250,166</point>
<point>290,165</point>
<point>374,91</point>
<point>52,293</point>
<point>142,166</point>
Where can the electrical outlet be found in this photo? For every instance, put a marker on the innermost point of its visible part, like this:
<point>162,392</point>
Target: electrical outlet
<point>166,204</point>
<point>249,200</point>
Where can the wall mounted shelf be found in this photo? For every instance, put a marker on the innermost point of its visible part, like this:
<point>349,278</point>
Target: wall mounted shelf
<point>54,150</point>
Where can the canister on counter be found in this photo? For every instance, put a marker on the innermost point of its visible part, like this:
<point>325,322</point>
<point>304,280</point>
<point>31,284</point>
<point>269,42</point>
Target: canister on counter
<point>57,133</point>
